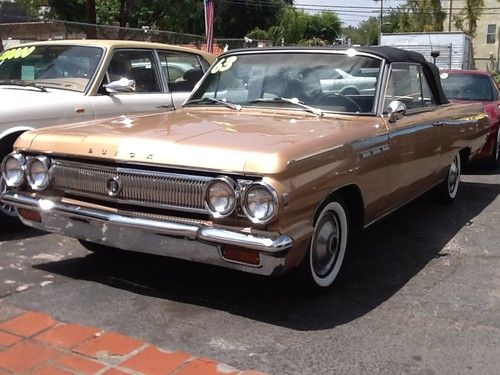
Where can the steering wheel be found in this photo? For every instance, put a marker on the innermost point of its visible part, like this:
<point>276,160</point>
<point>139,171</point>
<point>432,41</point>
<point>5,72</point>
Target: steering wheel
<point>325,99</point>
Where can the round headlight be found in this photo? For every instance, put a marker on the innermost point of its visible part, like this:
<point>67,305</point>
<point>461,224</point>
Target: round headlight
<point>13,169</point>
<point>220,197</point>
<point>260,204</point>
<point>38,173</point>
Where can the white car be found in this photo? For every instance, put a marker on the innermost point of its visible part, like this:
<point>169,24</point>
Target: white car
<point>60,82</point>
<point>347,84</point>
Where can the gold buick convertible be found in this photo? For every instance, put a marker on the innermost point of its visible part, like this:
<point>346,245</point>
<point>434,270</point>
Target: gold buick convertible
<point>269,165</point>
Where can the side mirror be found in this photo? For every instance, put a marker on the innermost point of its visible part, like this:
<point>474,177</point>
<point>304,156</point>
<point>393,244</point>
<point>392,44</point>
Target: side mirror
<point>396,110</point>
<point>122,85</point>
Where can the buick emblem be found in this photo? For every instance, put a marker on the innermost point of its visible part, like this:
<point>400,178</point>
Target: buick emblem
<point>114,186</point>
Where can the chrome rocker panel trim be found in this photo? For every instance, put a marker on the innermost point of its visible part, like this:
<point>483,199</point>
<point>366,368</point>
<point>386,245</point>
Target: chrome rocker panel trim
<point>194,242</point>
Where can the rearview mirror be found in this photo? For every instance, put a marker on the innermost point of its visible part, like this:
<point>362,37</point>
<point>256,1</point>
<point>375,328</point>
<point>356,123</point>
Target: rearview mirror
<point>396,110</point>
<point>122,85</point>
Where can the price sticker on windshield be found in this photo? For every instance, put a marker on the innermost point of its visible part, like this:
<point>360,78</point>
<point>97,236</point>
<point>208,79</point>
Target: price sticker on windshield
<point>17,53</point>
<point>224,64</point>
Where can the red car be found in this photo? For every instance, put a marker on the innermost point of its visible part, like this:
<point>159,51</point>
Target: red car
<point>462,86</point>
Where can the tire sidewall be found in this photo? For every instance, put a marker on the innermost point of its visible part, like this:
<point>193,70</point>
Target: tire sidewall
<point>324,282</point>
<point>496,154</point>
<point>453,194</point>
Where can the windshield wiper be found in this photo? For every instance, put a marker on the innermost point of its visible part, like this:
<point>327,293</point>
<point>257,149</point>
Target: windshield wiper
<point>294,101</point>
<point>223,101</point>
<point>19,82</point>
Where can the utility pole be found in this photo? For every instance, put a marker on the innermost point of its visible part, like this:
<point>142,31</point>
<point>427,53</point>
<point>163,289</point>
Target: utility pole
<point>91,18</point>
<point>380,23</point>
<point>449,15</point>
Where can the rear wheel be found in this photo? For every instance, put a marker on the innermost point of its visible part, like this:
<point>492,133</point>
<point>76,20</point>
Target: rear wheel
<point>448,189</point>
<point>495,155</point>
<point>328,246</point>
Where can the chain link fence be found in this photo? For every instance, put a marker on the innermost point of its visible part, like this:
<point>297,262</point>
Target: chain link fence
<point>15,33</point>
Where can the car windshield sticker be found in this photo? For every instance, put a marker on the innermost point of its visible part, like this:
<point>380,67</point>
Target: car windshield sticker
<point>27,72</point>
<point>17,53</point>
<point>224,64</point>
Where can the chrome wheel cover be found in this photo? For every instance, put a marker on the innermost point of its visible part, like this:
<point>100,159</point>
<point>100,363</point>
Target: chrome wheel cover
<point>326,244</point>
<point>454,176</point>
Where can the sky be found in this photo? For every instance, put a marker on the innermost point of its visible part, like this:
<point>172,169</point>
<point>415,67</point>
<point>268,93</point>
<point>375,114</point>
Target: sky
<point>349,15</point>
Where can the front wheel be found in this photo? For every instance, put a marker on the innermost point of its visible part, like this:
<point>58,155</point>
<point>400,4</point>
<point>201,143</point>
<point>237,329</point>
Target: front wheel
<point>328,246</point>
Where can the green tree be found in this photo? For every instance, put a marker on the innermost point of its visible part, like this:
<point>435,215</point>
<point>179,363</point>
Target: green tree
<point>466,20</point>
<point>325,26</point>
<point>298,27</point>
<point>422,15</point>
<point>365,34</point>
<point>186,16</point>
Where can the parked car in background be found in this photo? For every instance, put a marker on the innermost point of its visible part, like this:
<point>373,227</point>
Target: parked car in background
<point>465,86</point>
<point>60,82</point>
<point>347,84</point>
<point>260,171</point>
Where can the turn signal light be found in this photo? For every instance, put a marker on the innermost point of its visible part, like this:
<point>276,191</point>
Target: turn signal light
<point>240,254</point>
<point>30,215</point>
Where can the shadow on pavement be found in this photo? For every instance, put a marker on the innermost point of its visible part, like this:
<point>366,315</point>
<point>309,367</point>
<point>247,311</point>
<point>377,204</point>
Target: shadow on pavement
<point>480,168</point>
<point>15,230</point>
<point>384,258</point>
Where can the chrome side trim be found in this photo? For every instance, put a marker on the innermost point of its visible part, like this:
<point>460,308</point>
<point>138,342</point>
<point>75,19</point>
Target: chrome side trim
<point>313,154</point>
<point>193,231</point>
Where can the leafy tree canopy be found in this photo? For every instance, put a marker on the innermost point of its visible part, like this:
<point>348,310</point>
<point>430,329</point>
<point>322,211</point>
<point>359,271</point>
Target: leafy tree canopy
<point>186,16</point>
<point>298,27</point>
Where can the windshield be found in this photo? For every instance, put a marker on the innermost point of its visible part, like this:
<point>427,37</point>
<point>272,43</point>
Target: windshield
<point>467,87</point>
<point>57,66</point>
<point>324,81</point>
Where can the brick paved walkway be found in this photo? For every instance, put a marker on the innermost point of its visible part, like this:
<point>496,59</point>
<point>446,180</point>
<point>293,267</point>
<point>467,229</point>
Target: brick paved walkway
<point>33,343</point>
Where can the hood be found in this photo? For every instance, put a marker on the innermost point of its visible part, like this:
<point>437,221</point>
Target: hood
<point>246,141</point>
<point>26,104</point>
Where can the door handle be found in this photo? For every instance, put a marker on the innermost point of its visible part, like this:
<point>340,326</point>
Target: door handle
<point>164,106</point>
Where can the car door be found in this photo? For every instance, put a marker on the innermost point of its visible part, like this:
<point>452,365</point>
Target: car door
<point>150,93</point>
<point>182,71</point>
<point>414,139</point>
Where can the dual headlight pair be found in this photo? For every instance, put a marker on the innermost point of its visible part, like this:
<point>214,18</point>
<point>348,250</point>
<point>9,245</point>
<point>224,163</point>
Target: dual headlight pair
<point>258,201</point>
<point>36,170</point>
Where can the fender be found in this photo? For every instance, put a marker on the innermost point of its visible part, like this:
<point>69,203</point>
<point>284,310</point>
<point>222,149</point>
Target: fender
<point>16,129</point>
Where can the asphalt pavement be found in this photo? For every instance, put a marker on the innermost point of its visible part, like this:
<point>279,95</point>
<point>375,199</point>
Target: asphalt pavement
<point>420,294</point>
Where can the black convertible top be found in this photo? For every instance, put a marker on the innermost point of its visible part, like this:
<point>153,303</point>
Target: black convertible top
<point>390,54</point>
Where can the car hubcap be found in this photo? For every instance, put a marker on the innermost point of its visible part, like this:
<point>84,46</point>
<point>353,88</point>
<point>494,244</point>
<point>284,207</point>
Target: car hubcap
<point>453,176</point>
<point>326,244</point>
<point>5,208</point>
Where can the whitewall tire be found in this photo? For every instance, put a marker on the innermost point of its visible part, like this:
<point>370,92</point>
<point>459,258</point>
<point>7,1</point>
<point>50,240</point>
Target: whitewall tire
<point>447,190</point>
<point>328,245</point>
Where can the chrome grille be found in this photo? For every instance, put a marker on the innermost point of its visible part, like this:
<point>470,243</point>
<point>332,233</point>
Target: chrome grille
<point>145,188</point>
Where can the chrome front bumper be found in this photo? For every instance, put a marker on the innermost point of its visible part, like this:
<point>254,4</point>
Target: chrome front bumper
<point>190,240</point>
